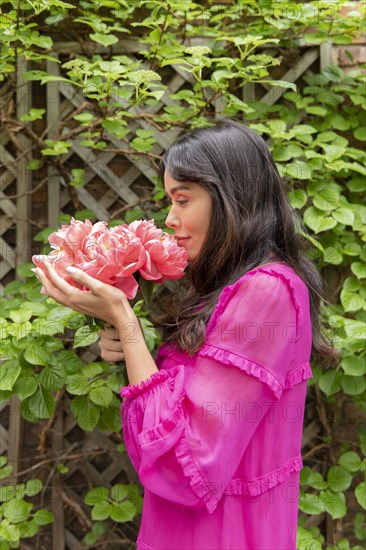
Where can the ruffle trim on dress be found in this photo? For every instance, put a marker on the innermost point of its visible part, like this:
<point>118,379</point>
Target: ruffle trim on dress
<point>259,485</point>
<point>295,376</point>
<point>206,491</point>
<point>156,378</point>
<point>258,371</point>
<point>248,366</point>
<point>166,426</point>
<point>140,545</point>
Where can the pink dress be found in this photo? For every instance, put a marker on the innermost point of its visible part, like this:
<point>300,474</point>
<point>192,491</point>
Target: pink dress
<point>216,438</point>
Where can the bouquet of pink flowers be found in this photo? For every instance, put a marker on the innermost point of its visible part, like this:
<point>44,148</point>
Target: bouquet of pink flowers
<point>120,256</point>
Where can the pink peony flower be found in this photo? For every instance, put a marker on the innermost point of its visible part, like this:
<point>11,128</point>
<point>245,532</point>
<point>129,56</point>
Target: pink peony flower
<point>164,258</point>
<point>114,255</point>
<point>67,242</point>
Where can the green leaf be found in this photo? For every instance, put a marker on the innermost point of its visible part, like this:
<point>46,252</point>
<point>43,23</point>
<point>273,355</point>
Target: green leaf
<point>36,355</point>
<point>99,528</point>
<point>101,511</point>
<point>146,288</point>
<point>45,327</point>
<point>326,200</point>
<point>360,134</point>
<point>297,198</point>
<point>344,215</point>
<point>52,378</point>
<point>115,127</point>
<point>28,529</point>
<point>43,517</point>
<point>359,270</point>
<point>332,255</point>
<point>125,511</point>
<point>354,366</point>
<point>77,384</point>
<point>39,405</point>
<point>95,495</point>
<point>104,39</point>
<point>111,419</point>
<point>334,503</point>
<point>353,385</point>
<point>84,214</point>
<point>330,382</point>
<point>78,177</point>
<point>7,492</point>
<point>316,481</point>
<point>310,503</point>
<point>133,215</point>
<point>17,510</point>
<point>316,110</point>
<point>360,493</point>
<point>68,360</point>
<point>92,369</point>
<point>33,487</point>
<point>355,329</point>
<point>350,461</point>
<point>85,413</point>
<point>351,301</point>
<point>34,114</point>
<point>20,316</point>
<point>86,118</point>
<point>333,152</point>
<point>298,170</point>
<point>9,373</point>
<point>280,84</point>
<point>90,539</point>
<point>85,336</point>
<point>119,492</point>
<point>101,396</point>
<point>315,219</point>
<point>305,540</point>
<point>339,478</point>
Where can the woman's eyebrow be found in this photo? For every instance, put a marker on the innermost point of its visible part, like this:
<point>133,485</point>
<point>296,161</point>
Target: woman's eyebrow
<point>179,188</point>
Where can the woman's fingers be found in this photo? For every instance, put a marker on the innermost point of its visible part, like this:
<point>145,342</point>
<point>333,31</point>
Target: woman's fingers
<point>112,356</point>
<point>110,345</point>
<point>48,284</point>
<point>110,333</point>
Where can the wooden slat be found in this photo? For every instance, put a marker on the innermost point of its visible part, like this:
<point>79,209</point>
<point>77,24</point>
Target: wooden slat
<point>7,253</point>
<point>291,75</point>
<point>53,122</point>
<point>325,55</point>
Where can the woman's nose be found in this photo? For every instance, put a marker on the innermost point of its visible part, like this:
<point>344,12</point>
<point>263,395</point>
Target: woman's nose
<point>171,220</point>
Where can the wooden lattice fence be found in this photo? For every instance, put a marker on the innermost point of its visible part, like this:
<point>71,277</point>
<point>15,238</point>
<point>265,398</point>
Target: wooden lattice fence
<point>31,201</point>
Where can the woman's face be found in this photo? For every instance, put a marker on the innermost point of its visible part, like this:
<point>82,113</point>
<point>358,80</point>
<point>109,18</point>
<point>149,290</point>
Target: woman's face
<point>190,214</point>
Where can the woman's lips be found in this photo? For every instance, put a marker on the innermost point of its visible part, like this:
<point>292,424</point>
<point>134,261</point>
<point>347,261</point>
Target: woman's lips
<point>180,239</point>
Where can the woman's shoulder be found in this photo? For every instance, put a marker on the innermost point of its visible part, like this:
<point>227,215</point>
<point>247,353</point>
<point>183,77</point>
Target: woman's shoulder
<point>276,280</point>
<point>270,271</point>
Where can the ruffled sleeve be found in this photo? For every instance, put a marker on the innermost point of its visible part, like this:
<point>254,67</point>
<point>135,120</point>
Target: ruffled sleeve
<point>186,428</point>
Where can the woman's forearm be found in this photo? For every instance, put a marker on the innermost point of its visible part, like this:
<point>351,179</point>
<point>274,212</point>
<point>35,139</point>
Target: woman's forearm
<point>139,362</point>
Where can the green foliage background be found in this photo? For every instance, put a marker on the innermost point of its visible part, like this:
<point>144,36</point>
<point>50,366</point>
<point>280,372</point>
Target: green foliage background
<point>316,134</point>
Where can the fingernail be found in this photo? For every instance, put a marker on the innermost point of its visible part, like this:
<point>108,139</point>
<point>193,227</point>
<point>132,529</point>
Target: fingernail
<point>70,269</point>
<point>43,290</point>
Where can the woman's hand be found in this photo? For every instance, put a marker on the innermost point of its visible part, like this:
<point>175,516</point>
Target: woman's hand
<point>102,301</point>
<point>110,345</point>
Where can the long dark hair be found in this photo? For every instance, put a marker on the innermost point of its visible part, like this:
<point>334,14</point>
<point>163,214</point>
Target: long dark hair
<point>252,223</point>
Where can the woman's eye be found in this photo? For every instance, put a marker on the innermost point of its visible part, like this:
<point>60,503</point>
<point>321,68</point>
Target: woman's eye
<point>182,201</point>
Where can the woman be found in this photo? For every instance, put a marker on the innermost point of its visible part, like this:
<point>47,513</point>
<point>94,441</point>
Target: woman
<point>213,425</point>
